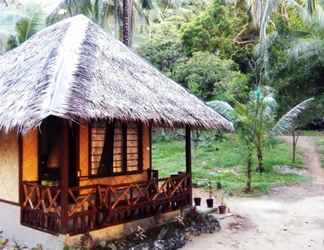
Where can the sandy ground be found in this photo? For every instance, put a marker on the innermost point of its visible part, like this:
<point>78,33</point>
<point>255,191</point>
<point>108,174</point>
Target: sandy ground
<point>289,218</point>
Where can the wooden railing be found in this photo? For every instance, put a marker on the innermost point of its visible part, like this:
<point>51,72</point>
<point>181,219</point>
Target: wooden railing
<point>99,206</point>
<point>40,207</point>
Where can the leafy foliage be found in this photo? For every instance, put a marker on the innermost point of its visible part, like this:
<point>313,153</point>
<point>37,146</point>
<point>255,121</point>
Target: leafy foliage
<point>21,24</point>
<point>289,121</point>
<point>255,122</point>
<point>210,77</point>
<point>204,73</point>
<point>214,31</point>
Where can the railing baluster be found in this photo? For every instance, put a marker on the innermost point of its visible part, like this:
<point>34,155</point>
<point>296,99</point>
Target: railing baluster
<point>97,206</point>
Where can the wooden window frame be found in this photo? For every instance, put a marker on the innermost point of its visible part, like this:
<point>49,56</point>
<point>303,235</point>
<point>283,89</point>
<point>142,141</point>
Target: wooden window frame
<point>124,150</point>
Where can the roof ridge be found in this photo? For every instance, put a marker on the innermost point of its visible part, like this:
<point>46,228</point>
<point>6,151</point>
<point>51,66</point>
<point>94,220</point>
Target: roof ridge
<point>67,61</point>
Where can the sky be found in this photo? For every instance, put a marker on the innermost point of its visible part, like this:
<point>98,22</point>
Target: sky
<point>47,5</point>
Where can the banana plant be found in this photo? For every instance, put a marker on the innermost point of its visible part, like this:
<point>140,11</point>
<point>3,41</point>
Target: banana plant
<point>257,118</point>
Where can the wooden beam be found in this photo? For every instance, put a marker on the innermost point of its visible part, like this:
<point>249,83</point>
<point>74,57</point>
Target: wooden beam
<point>64,175</point>
<point>150,153</point>
<point>140,146</point>
<point>20,168</point>
<point>188,150</point>
<point>188,161</point>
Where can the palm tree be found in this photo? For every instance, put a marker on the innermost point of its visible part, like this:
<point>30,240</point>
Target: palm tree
<point>260,14</point>
<point>127,13</point>
<point>260,115</point>
<point>17,25</point>
<point>116,16</point>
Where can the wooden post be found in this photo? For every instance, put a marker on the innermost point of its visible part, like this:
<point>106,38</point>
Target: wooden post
<point>20,175</point>
<point>140,146</point>
<point>20,168</point>
<point>188,160</point>
<point>64,175</point>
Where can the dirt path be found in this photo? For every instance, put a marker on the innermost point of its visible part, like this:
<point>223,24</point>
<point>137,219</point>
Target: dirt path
<point>290,218</point>
<point>312,159</point>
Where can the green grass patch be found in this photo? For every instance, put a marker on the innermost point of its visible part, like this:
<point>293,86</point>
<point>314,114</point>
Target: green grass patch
<point>223,161</point>
<point>312,133</point>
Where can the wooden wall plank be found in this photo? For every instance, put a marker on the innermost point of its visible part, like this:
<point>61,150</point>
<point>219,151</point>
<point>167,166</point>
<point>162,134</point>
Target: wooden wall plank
<point>30,156</point>
<point>146,148</point>
<point>84,148</point>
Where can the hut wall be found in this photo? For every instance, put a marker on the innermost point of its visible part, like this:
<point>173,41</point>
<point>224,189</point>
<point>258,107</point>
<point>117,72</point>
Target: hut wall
<point>9,166</point>
<point>30,156</point>
<point>25,236</point>
<point>84,161</point>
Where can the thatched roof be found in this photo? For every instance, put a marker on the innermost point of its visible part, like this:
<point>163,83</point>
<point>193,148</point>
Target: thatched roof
<point>75,70</point>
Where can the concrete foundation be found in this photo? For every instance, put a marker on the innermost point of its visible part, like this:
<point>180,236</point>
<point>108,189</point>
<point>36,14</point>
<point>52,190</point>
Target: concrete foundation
<point>25,236</point>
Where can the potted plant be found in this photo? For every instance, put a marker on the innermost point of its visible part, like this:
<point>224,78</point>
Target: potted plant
<point>197,201</point>
<point>222,207</point>
<point>210,200</point>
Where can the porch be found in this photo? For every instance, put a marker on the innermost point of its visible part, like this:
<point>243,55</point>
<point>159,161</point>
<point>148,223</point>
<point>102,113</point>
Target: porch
<point>94,207</point>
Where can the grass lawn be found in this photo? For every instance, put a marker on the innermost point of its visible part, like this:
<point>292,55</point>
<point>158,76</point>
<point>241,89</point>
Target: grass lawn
<point>223,161</point>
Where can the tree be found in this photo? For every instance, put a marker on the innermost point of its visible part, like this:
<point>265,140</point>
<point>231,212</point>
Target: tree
<point>208,76</point>
<point>126,15</point>
<point>260,113</point>
<point>243,119</point>
<point>262,13</point>
<point>22,25</point>
<point>214,31</point>
<point>115,16</point>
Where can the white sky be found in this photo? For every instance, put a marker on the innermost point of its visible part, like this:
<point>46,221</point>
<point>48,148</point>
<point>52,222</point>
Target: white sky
<point>47,5</point>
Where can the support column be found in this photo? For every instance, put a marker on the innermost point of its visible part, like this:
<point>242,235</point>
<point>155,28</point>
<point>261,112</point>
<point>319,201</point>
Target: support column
<point>64,175</point>
<point>188,160</point>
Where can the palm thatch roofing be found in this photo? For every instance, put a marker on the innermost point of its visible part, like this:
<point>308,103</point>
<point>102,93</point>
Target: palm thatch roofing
<point>75,70</point>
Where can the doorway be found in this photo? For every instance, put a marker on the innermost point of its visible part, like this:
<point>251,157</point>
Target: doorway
<point>50,151</point>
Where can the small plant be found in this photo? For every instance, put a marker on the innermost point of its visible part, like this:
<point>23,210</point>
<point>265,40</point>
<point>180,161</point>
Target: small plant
<point>38,247</point>
<point>3,242</point>
<point>210,200</point>
<point>180,220</point>
<point>210,189</point>
<point>222,207</point>
<point>17,246</point>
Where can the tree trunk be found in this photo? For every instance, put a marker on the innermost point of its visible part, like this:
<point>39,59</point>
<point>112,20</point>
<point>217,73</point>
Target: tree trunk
<point>260,167</point>
<point>249,172</point>
<point>295,137</point>
<point>126,22</point>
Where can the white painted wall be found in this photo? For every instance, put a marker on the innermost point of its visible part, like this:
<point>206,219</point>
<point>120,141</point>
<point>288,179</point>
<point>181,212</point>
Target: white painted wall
<point>14,231</point>
<point>9,165</point>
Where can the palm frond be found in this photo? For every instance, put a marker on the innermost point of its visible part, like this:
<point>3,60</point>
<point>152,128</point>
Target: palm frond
<point>223,108</point>
<point>306,48</point>
<point>311,6</point>
<point>271,106</point>
<point>290,120</point>
<point>267,10</point>
<point>311,12</point>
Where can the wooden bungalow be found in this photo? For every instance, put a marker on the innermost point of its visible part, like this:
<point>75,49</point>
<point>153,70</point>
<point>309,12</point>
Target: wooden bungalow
<point>76,112</point>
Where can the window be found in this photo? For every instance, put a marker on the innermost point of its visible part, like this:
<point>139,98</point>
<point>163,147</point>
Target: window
<point>115,148</point>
